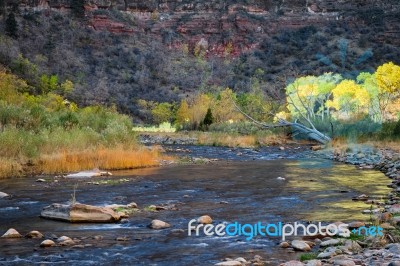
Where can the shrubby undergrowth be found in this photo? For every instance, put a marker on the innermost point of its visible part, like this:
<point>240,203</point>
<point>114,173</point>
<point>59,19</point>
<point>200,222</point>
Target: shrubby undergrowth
<point>46,133</point>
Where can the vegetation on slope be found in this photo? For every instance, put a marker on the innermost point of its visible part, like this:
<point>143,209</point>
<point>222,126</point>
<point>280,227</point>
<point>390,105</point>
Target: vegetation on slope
<point>45,133</point>
<point>121,69</point>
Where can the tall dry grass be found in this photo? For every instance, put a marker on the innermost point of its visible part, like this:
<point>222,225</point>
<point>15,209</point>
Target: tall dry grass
<point>102,158</point>
<point>9,168</point>
<point>238,140</point>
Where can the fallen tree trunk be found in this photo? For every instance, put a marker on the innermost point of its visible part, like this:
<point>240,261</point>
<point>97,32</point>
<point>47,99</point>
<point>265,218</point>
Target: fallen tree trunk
<point>312,133</point>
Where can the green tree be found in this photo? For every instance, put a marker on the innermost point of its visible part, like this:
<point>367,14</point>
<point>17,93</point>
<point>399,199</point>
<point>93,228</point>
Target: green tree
<point>48,83</point>
<point>208,119</point>
<point>11,26</point>
<point>162,112</point>
<point>224,108</point>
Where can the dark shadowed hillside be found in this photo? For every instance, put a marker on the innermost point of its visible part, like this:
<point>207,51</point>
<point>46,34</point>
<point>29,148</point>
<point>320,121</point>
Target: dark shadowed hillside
<point>117,52</point>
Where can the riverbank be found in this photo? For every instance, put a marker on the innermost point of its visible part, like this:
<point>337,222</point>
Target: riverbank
<point>369,250</point>
<point>220,139</point>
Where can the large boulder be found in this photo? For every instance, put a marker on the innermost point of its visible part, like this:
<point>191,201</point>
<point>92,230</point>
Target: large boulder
<point>80,213</point>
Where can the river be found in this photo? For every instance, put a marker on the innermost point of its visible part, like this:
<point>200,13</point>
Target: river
<point>242,186</point>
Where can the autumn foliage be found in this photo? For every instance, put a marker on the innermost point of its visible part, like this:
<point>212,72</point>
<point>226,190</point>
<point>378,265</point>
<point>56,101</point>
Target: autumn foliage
<point>331,97</point>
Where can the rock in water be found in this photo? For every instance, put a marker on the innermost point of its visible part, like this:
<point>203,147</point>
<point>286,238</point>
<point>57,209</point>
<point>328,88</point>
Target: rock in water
<point>63,238</point>
<point>3,195</point>
<point>80,213</point>
<point>205,219</point>
<point>47,243</point>
<point>86,174</point>
<point>11,233</point>
<point>34,234</point>
<point>158,224</point>
<point>300,245</point>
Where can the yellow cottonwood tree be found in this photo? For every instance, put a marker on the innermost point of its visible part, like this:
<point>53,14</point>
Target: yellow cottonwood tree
<point>349,98</point>
<point>182,114</point>
<point>387,78</point>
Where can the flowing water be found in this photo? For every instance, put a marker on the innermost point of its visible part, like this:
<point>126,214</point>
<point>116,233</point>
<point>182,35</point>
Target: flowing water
<point>242,188</point>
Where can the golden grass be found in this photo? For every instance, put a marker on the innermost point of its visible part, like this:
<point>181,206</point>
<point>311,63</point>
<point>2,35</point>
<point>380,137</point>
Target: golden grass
<point>9,168</point>
<point>102,158</point>
<point>342,144</point>
<point>220,139</point>
<point>242,141</point>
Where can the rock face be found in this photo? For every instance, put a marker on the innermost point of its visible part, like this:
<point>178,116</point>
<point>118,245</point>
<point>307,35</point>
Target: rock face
<point>11,233</point>
<point>80,213</point>
<point>204,22</point>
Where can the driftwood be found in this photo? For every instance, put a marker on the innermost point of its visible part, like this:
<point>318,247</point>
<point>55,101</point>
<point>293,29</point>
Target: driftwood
<point>312,132</point>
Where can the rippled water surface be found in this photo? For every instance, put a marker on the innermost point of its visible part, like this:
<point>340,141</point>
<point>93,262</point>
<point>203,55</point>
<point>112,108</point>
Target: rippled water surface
<point>243,189</point>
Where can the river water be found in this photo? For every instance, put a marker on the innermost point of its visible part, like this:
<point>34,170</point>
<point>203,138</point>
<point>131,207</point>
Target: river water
<point>243,186</point>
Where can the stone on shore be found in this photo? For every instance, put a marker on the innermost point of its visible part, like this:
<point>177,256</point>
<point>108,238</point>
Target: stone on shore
<point>79,213</point>
<point>330,242</point>
<point>300,245</point>
<point>344,262</point>
<point>34,234</point>
<point>158,224</point>
<point>314,263</point>
<point>293,263</point>
<point>11,233</point>
<point>356,224</point>
<point>395,208</point>
<point>284,244</point>
<point>47,243</point>
<point>229,263</point>
<point>205,219</point>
